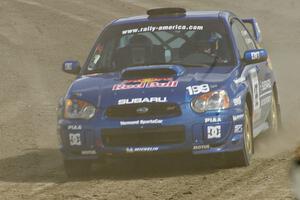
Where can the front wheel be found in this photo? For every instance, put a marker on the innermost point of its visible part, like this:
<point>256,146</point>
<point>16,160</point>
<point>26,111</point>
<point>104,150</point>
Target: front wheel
<point>243,157</point>
<point>77,168</point>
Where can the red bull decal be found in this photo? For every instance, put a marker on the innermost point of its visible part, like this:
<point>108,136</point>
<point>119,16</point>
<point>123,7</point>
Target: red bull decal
<point>146,83</point>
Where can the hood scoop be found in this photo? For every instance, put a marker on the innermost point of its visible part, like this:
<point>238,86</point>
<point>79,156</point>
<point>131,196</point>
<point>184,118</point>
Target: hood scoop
<point>144,72</point>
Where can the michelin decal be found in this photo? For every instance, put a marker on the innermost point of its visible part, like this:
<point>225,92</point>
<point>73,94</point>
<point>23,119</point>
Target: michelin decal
<point>141,149</point>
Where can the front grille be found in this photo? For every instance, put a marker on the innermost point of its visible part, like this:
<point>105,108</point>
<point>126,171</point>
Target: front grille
<point>156,110</point>
<point>125,137</point>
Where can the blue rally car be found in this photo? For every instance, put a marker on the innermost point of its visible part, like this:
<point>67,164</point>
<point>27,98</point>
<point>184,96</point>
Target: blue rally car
<point>168,82</point>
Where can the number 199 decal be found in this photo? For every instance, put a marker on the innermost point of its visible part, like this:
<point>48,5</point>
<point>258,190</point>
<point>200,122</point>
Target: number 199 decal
<point>197,89</point>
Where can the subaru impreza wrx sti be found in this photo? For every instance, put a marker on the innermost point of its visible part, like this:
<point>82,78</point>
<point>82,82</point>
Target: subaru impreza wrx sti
<point>167,82</point>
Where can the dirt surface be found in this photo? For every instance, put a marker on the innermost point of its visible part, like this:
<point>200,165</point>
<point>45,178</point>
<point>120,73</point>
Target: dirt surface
<point>36,36</point>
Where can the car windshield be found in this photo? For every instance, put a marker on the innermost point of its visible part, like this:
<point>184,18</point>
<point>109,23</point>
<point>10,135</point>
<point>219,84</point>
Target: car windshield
<point>190,43</point>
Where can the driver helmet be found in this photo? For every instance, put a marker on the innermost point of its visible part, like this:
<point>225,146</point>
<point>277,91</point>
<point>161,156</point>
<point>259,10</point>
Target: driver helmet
<point>207,42</point>
<point>141,48</point>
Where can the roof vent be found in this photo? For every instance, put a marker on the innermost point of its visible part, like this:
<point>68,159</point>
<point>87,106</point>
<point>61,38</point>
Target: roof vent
<point>157,12</point>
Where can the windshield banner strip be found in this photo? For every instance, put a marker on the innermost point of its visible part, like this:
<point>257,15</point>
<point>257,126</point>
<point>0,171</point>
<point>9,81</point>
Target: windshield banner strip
<point>163,28</point>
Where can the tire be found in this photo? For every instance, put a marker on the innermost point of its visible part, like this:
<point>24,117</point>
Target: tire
<point>77,169</point>
<point>274,117</point>
<point>242,158</point>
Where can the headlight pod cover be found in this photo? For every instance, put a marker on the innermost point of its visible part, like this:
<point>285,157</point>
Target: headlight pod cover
<point>215,100</point>
<point>78,109</point>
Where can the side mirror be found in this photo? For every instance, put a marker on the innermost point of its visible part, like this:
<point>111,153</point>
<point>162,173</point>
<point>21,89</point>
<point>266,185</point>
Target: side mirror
<point>71,67</point>
<point>254,29</point>
<point>255,56</point>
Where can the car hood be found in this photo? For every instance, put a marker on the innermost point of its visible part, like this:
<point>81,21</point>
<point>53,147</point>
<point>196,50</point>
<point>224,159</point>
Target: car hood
<point>108,89</point>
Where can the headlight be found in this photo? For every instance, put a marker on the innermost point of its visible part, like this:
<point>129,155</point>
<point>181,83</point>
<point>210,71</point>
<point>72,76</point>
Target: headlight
<point>78,109</point>
<point>216,100</point>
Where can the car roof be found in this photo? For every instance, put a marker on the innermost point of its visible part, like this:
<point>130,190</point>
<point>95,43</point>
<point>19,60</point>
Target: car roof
<point>188,15</point>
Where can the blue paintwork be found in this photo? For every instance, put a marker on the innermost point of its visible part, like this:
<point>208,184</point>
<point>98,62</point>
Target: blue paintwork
<point>238,81</point>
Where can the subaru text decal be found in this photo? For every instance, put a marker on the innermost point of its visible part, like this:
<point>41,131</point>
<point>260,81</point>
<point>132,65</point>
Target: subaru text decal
<point>143,100</point>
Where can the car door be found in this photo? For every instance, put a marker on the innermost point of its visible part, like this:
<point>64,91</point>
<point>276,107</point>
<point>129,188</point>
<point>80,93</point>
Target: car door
<point>265,75</point>
<point>259,74</point>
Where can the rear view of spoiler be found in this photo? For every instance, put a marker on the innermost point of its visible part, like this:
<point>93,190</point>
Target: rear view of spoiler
<point>254,29</point>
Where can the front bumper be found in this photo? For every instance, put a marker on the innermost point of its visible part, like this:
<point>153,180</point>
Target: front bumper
<point>206,133</point>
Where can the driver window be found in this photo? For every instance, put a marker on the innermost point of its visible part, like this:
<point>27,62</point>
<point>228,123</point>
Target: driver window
<point>242,37</point>
<point>238,36</point>
<point>249,42</point>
